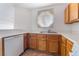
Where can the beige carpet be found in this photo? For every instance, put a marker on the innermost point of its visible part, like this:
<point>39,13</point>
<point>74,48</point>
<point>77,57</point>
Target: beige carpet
<point>31,52</point>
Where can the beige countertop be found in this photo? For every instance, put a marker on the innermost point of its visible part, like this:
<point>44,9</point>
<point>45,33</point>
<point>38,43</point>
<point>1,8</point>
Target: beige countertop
<point>8,33</point>
<point>73,37</point>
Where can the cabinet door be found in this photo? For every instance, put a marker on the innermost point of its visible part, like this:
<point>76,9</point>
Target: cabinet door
<point>26,41</point>
<point>42,44</point>
<point>69,46</point>
<point>33,41</point>
<point>53,46</point>
<point>63,50</point>
<point>63,46</point>
<point>52,43</point>
<point>66,15</point>
<point>73,9</point>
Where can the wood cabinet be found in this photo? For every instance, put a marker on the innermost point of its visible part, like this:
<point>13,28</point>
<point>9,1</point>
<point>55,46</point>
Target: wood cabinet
<point>44,42</point>
<point>66,46</point>
<point>63,46</point>
<point>41,39</point>
<point>33,41</point>
<point>26,41</point>
<point>72,13</point>
<point>66,15</point>
<point>53,44</point>
<point>69,46</point>
<point>38,41</point>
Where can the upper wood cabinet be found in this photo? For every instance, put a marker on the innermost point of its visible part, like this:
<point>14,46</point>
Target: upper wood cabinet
<point>72,13</point>
<point>66,15</point>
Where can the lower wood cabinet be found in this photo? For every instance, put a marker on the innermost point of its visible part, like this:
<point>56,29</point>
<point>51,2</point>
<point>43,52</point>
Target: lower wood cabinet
<point>63,46</point>
<point>41,42</point>
<point>52,46</point>
<point>26,41</point>
<point>63,50</point>
<point>69,46</point>
<point>42,45</point>
<point>33,44</point>
<point>52,43</point>
<point>33,41</point>
<point>66,46</point>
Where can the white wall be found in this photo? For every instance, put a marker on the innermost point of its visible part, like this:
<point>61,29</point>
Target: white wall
<point>26,19</point>
<point>12,17</point>
<point>23,19</point>
<point>59,24</point>
<point>75,27</point>
<point>7,16</point>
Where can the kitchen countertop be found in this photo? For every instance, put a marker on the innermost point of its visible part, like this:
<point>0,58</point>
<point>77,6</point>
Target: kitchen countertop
<point>9,33</point>
<point>73,37</point>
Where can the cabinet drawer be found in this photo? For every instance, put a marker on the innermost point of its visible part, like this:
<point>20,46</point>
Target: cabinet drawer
<point>52,37</point>
<point>41,36</point>
<point>33,36</point>
<point>43,39</point>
